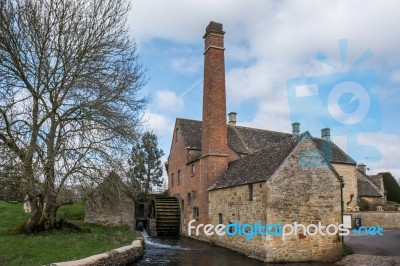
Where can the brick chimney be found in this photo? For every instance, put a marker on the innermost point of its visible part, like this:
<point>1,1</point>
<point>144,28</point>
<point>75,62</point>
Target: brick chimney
<point>214,157</point>
<point>214,138</point>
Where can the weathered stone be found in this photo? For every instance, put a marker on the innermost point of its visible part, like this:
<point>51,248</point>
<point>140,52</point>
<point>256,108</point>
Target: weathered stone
<point>369,260</point>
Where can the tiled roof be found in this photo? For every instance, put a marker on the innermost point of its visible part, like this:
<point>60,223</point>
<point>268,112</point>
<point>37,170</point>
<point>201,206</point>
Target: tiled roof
<point>377,179</point>
<point>256,167</point>
<point>244,140</point>
<point>366,187</point>
<point>191,132</point>
<point>332,152</point>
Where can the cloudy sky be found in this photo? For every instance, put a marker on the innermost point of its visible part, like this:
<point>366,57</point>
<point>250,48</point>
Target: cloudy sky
<point>272,46</point>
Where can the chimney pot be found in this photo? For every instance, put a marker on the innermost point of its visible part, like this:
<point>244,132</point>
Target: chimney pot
<point>326,134</point>
<point>296,129</point>
<point>362,167</point>
<point>232,118</point>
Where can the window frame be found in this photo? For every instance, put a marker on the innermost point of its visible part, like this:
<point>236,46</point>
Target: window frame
<point>251,192</point>
<point>196,213</point>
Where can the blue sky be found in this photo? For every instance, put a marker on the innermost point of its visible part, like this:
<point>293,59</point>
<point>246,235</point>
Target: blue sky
<point>268,43</point>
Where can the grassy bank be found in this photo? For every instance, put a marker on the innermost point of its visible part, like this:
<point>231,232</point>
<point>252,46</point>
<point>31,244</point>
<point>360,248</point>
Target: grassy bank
<point>57,245</point>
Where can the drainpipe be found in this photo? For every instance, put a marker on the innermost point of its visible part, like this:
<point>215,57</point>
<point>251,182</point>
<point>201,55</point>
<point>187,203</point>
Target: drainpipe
<point>341,204</point>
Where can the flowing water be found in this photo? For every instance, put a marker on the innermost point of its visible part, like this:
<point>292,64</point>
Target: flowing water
<point>183,251</point>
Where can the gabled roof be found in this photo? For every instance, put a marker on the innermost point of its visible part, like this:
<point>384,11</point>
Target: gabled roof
<point>377,179</point>
<point>332,152</point>
<point>246,140</point>
<point>258,166</point>
<point>366,187</point>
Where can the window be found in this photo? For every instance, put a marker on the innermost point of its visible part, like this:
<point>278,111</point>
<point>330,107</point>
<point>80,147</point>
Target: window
<point>179,177</point>
<point>196,213</point>
<point>193,169</point>
<point>220,218</point>
<point>190,196</point>
<point>250,192</point>
<point>172,180</point>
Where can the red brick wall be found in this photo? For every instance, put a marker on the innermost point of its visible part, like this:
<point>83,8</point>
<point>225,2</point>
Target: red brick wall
<point>214,148</point>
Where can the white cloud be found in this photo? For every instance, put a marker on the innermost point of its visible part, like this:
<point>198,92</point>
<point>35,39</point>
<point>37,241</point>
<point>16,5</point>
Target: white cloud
<point>387,145</point>
<point>269,42</point>
<point>187,65</point>
<point>168,100</point>
<point>161,124</point>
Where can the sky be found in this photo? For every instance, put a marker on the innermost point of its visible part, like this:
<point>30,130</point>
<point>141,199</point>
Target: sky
<point>277,54</point>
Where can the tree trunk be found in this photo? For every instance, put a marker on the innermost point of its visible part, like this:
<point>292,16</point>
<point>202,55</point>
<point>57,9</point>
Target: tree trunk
<point>36,203</point>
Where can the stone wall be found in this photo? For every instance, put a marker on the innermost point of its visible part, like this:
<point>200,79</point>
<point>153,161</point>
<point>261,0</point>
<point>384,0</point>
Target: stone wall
<point>234,205</point>
<point>374,200</point>
<point>121,256</point>
<point>117,210</point>
<point>294,194</point>
<point>307,196</point>
<point>387,220</point>
<point>350,190</point>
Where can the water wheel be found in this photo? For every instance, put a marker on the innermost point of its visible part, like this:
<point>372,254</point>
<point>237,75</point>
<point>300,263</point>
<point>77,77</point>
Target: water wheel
<point>167,214</point>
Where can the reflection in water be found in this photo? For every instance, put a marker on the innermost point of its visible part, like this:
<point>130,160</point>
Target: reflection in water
<point>184,251</point>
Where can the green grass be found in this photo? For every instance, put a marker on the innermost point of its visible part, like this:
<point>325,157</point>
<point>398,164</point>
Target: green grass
<point>56,245</point>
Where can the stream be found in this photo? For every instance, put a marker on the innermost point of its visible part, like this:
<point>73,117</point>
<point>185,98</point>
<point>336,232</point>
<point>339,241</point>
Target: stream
<point>184,251</point>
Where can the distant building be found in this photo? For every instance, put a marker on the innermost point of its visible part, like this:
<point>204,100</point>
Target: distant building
<point>224,173</point>
<point>111,203</point>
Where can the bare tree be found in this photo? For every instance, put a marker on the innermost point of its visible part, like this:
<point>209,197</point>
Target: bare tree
<point>70,102</point>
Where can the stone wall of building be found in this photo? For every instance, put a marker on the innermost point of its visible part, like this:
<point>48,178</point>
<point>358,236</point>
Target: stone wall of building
<point>295,193</point>
<point>304,195</point>
<point>387,220</point>
<point>234,205</point>
<point>374,200</point>
<point>350,191</point>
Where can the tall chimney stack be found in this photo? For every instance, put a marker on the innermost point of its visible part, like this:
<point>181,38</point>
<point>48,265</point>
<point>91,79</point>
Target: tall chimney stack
<point>214,134</point>
<point>214,139</point>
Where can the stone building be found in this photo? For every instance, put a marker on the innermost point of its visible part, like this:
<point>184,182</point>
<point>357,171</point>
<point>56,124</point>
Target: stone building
<point>223,173</point>
<point>370,187</point>
<point>111,203</point>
